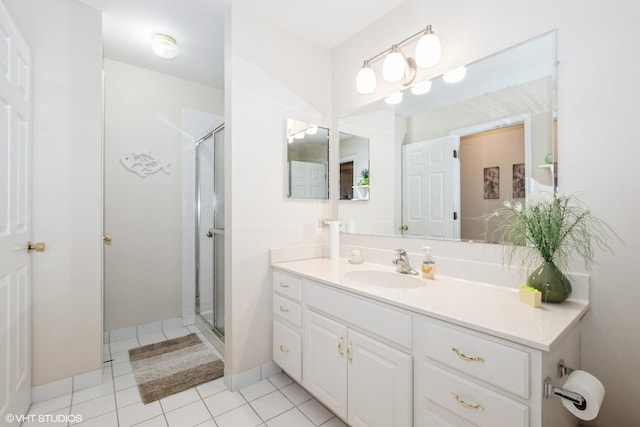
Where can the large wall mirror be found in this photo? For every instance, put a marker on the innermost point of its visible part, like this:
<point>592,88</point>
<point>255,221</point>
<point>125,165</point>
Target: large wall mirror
<point>307,161</point>
<point>445,158</point>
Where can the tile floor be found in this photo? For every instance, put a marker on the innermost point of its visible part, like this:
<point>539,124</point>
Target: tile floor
<point>274,402</point>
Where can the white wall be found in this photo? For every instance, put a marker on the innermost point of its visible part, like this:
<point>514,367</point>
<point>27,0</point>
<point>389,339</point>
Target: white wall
<point>143,263</point>
<point>66,44</point>
<point>597,95</point>
<point>271,76</point>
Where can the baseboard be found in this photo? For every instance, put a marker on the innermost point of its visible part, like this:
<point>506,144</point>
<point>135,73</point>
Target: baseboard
<point>66,386</point>
<point>235,382</point>
<point>130,332</point>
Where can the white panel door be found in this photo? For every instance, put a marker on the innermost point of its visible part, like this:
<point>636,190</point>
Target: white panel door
<point>431,192</point>
<point>380,383</point>
<point>308,180</point>
<point>325,361</point>
<point>15,220</point>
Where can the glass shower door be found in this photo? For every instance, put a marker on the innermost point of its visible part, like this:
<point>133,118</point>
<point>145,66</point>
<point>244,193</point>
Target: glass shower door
<point>210,231</point>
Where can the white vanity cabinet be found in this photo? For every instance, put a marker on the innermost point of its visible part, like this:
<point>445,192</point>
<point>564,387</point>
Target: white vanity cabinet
<point>361,379</point>
<point>389,361</point>
<point>287,323</point>
<point>464,378</point>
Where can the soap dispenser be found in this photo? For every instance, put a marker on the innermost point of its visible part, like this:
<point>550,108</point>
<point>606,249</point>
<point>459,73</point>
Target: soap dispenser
<point>428,265</point>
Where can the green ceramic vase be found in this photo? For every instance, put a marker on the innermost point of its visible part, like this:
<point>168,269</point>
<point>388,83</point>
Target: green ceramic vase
<point>549,280</point>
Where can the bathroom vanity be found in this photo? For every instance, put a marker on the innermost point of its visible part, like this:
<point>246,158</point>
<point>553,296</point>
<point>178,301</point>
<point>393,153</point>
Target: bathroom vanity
<point>383,349</point>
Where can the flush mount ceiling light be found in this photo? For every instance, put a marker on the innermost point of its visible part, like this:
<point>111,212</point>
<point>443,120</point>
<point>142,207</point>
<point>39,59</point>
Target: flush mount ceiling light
<point>164,46</point>
<point>396,66</point>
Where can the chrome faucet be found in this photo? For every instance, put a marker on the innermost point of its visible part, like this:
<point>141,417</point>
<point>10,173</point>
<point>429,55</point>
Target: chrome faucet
<point>402,262</point>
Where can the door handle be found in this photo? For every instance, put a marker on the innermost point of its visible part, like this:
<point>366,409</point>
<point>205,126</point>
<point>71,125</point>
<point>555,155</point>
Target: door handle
<point>38,247</point>
<point>210,233</point>
<point>107,238</point>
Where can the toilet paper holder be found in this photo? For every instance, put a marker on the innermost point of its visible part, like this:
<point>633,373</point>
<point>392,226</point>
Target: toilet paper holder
<point>549,389</point>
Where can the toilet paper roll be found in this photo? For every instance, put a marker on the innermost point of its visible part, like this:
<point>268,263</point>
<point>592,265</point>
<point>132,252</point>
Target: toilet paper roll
<point>590,388</point>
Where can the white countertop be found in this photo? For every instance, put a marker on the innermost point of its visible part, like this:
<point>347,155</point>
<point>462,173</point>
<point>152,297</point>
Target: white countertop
<point>486,308</point>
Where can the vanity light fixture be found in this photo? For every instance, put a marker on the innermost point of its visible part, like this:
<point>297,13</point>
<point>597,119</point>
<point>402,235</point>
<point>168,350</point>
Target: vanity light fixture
<point>366,80</point>
<point>298,130</point>
<point>393,99</point>
<point>164,46</point>
<point>421,88</point>
<point>454,76</point>
<point>396,66</point>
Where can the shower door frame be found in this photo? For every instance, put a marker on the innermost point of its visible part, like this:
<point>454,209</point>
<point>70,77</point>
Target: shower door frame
<point>197,230</point>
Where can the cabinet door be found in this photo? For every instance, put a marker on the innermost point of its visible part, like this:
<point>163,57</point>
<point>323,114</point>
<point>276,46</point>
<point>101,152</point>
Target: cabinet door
<point>379,383</point>
<point>325,361</point>
<point>287,350</point>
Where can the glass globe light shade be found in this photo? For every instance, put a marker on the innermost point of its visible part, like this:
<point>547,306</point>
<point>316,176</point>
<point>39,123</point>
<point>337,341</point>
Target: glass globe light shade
<point>393,99</point>
<point>421,88</point>
<point>366,80</point>
<point>394,66</point>
<point>454,76</point>
<point>428,49</point>
<point>164,46</point>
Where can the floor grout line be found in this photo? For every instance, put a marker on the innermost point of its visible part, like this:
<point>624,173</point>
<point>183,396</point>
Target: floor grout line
<point>109,363</point>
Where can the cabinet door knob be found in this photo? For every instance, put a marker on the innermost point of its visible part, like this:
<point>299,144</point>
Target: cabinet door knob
<point>349,357</point>
<point>340,351</point>
<point>477,406</point>
<point>467,357</point>
<point>284,349</point>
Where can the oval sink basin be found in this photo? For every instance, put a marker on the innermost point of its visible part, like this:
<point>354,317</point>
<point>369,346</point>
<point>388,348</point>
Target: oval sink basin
<point>384,279</point>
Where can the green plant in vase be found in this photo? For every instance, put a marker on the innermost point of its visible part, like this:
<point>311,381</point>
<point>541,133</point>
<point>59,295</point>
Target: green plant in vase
<point>559,228</point>
<point>364,177</point>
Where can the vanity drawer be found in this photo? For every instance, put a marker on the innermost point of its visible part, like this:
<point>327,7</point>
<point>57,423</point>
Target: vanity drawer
<point>287,309</point>
<point>498,364</point>
<point>287,350</point>
<point>287,284</point>
<point>382,321</point>
<point>478,405</point>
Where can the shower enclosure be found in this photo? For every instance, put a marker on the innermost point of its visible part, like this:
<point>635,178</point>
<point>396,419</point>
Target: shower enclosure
<point>210,235</point>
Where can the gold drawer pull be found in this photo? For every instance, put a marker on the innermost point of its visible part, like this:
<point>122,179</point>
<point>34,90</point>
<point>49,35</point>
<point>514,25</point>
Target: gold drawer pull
<point>284,285</point>
<point>340,351</point>
<point>349,356</point>
<point>477,406</point>
<point>467,357</point>
<point>284,309</point>
<point>284,349</point>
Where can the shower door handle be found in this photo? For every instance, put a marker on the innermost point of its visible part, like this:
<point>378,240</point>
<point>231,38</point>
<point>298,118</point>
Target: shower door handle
<point>210,233</point>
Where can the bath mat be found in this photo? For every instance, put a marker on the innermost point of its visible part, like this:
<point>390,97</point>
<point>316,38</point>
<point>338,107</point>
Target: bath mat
<point>172,366</point>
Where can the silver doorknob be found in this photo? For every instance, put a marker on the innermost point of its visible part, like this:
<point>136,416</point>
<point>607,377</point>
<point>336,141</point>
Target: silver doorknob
<point>209,233</point>
<point>38,247</point>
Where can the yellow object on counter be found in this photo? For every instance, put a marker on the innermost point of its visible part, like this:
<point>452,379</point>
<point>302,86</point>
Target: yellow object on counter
<point>530,296</point>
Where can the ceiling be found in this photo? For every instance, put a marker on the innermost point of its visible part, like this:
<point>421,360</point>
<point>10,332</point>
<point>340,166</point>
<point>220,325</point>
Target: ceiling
<point>198,27</point>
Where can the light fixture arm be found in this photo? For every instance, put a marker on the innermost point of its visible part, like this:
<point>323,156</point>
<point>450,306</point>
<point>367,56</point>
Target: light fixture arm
<point>404,42</point>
